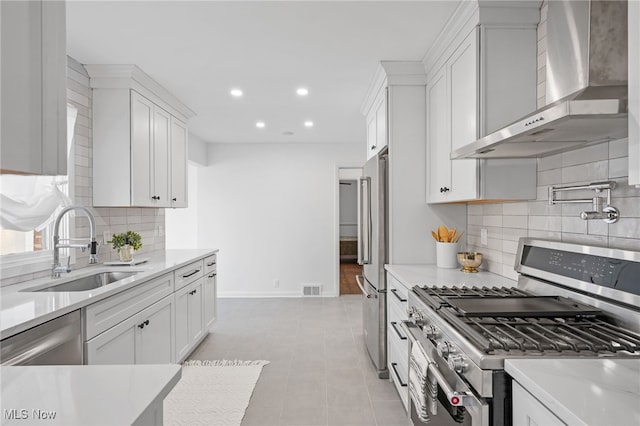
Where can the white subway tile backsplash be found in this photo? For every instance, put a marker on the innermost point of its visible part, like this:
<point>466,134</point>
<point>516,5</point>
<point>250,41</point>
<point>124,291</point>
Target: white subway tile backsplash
<point>545,223</point>
<point>585,173</point>
<point>549,177</point>
<point>515,208</point>
<point>475,209</point>
<point>619,167</point>
<point>493,220</point>
<point>619,148</point>
<point>586,155</point>
<point>515,222</point>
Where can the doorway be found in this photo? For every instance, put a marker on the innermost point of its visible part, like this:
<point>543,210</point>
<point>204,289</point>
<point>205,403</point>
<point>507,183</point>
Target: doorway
<point>348,214</point>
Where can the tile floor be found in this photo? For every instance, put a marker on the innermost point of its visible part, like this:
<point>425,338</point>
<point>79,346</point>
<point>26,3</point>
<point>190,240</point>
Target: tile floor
<point>320,372</point>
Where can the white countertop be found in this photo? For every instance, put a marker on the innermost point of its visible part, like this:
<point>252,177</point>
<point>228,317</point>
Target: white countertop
<point>594,392</point>
<point>411,275</point>
<point>84,395</point>
<point>21,310</point>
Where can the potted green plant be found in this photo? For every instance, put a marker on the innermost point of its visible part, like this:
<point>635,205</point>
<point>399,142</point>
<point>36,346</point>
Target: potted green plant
<point>126,243</point>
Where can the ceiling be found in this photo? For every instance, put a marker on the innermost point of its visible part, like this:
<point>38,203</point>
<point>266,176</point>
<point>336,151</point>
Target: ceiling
<point>200,50</point>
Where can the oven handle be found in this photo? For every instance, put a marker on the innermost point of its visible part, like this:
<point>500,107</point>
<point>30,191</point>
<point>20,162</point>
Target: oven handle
<point>456,398</point>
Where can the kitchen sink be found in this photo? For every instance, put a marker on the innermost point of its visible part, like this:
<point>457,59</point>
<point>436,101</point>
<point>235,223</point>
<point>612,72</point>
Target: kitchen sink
<point>90,282</point>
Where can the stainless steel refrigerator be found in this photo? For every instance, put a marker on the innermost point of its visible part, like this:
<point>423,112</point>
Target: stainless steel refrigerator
<point>372,254</point>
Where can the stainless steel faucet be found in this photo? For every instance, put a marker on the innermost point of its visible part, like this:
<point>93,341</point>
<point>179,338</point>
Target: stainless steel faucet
<point>92,245</point>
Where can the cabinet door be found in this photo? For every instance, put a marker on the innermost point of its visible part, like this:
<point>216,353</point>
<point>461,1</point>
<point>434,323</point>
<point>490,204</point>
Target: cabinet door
<point>463,86</point>
<point>114,346</point>
<point>438,144</point>
<point>33,71</point>
<point>182,341</point>
<point>209,299</point>
<point>196,319</point>
<point>178,163</point>
<point>381,121</point>
<point>141,150</point>
<point>153,339</point>
<point>371,134</point>
<point>161,167</point>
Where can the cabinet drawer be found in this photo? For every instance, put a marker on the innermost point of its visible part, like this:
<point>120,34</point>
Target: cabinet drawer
<point>398,294</point>
<point>188,274</point>
<point>105,314</point>
<point>399,373</point>
<point>210,264</point>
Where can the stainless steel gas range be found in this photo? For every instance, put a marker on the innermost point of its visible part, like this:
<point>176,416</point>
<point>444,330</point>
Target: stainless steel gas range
<point>569,301</point>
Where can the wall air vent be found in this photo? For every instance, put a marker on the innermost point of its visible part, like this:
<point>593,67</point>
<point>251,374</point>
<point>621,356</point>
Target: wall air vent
<point>311,290</point>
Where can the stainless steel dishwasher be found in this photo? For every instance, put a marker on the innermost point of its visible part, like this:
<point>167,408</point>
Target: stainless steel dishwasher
<point>56,342</point>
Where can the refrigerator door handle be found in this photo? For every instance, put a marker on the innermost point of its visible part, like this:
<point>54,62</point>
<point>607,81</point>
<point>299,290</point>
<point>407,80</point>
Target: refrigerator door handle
<point>364,221</point>
<point>359,281</point>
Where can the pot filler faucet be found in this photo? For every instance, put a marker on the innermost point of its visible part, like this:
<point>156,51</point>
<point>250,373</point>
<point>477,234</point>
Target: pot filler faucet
<point>92,245</point>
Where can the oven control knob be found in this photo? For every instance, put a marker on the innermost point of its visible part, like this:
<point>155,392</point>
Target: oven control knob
<point>456,363</point>
<point>430,331</point>
<point>445,349</point>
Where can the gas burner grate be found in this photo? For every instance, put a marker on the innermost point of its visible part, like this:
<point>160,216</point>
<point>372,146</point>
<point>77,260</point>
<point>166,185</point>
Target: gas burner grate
<point>587,336</point>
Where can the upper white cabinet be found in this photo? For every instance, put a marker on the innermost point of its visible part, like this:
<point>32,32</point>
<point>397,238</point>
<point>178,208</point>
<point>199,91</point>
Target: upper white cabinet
<point>34,88</point>
<point>634,93</point>
<point>377,124</point>
<point>139,140</point>
<point>481,76</point>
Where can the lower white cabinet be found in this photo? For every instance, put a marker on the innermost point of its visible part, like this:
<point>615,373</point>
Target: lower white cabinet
<point>209,300</point>
<point>143,338</point>
<point>397,341</point>
<point>189,319</point>
<point>527,410</point>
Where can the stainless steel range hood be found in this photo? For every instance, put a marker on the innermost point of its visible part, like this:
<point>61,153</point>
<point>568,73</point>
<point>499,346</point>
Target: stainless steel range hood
<point>586,86</point>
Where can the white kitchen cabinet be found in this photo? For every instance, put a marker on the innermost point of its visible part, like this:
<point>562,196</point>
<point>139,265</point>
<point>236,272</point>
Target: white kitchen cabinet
<point>527,410</point>
<point>178,163</point>
<point>634,93</point>
<point>210,288</point>
<point>479,79</point>
<point>189,325</point>
<point>377,125</point>
<point>139,140</point>
<point>143,338</point>
<point>34,88</point>
<point>150,131</point>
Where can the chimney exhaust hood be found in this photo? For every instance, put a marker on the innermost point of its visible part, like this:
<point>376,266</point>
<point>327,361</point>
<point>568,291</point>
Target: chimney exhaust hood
<point>586,86</point>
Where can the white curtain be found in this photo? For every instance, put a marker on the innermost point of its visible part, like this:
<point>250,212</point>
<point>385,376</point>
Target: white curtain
<point>29,203</point>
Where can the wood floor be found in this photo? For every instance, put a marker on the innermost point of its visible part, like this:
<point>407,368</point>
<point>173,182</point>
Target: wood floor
<point>348,272</point>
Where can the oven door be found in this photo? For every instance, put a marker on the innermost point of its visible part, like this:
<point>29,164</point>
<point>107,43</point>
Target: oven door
<point>457,404</point>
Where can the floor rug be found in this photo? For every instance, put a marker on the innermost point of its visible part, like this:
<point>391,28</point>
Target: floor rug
<point>212,393</point>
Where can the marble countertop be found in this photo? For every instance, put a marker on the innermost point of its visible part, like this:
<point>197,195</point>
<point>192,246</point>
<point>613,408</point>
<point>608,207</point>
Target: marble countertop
<point>411,275</point>
<point>594,392</point>
<point>76,395</point>
<point>21,310</point>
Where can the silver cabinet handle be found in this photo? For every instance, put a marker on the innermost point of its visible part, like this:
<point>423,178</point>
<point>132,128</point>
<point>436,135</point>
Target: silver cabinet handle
<point>361,285</point>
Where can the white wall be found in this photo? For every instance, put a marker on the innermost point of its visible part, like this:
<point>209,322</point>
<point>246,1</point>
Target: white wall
<point>270,209</point>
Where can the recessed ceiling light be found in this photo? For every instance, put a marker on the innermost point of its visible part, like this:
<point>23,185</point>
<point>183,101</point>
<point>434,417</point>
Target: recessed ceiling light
<point>302,91</point>
<point>236,93</point>
<point>308,124</point>
<point>260,124</point>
